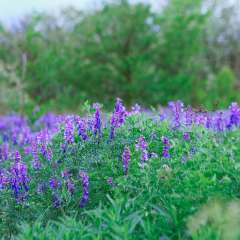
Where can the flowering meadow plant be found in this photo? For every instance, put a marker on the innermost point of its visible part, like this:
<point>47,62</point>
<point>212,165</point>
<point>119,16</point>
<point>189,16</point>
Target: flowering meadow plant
<point>156,170</point>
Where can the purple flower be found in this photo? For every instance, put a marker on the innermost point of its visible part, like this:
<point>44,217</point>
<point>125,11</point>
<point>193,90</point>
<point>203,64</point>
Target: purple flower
<point>97,120</point>
<point>17,156</point>
<point>165,152</point>
<point>189,116</point>
<point>69,131</point>
<point>85,185</point>
<point>177,109</point>
<point>165,140</point>
<point>56,201</point>
<point>70,186</point>
<point>81,126</point>
<point>18,178</point>
<point>3,179</point>
<point>54,184</point>
<point>219,122</point>
<point>35,163</point>
<point>234,119</point>
<point>110,181</point>
<point>125,158</point>
<point>142,147</point>
<point>186,136</point>
<point>40,188</point>
<point>4,151</point>
<point>117,117</point>
<point>49,154</point>
<point>65,174</point>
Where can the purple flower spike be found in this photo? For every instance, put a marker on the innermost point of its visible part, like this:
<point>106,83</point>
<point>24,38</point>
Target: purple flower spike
<point>117,117</point>
<point>70,186</point>
<point>17,156</point>
<point>142,147</point>
<point>19,179</point>
<point>97,120</point>
<point>186,136</point>
<point>85,185</point>
<point>56,201</point>
<point>69,132</point>
<point>234,115</point>
<point>165,152</point>
<point>81,126</point>
<point>110,181</point>
<point>177,109</point>
<point>165,140</point>
<point>54,184</point>
<point>125,158</point>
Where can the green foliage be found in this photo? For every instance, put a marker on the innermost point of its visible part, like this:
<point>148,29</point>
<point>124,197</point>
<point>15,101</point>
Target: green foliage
<point>122,49</point>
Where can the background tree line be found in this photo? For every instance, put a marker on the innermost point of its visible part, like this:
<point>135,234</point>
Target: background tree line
<point>188,50</point>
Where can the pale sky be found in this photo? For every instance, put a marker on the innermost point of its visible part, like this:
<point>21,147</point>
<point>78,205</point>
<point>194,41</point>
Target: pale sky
<point>12,10</point>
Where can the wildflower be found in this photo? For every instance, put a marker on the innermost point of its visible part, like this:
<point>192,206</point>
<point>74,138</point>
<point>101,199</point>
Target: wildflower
<point>65,174</point>
<point>186,136</point>
<point>136,109</point>
<point>3,179</point>
<point>49,154</point>
<point>142,147</point>
<point>81,126</point>
<point>189,115</point>
<point>70,186</point>
<point>40,188</point>
<point>35,163</point>
<point>97,120</point>
<point>234,119</point>
<point>56,200</point>
<point>110,181</point>
<point>177,109</point>
<point>117,117</point>
<point>125,158</point>
<point>18,178</point>
<point>85,185</point>
<point>69,132</point>
<point>165,152</point>
<point>54,184</point>
<point>165,140</point>
<point>208,121</point>
<point>17,156</point>
<point>219,122</point>
<point>4,151</point>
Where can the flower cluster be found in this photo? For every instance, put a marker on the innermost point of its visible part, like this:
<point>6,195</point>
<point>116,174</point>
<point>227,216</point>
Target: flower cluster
<point>142,147</point>
<point>69,131</point>
<point>166,147</point>
<point>125,159</point>
<point>117,117</point>
<point>18,178</point>
<point>81,127</point>
<point>85,185</point>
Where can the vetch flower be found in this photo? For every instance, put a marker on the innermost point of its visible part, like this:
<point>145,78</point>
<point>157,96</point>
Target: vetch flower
<point>97,121</point>
<point>165,152</point>
<point>69,131</point>
<point>125,159</point>
<point>54,184</point>
<point>18,178</point>
<point>186,136</point>
<point>142,147</point>
<point>85,185</point>
<point>70,186</point>
<point>117,117</point>
<point>81,127</point>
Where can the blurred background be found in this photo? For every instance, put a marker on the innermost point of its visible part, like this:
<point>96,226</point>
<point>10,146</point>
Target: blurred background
<point>58,54</point>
